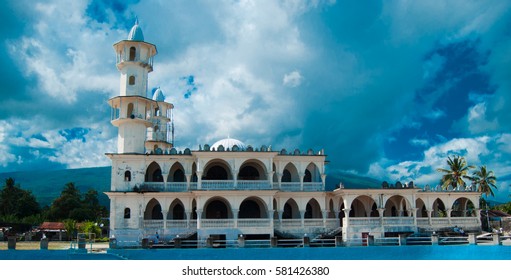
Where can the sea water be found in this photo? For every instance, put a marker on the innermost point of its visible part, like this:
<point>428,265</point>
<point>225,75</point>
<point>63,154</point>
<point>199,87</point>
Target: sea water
<point>452,252</point>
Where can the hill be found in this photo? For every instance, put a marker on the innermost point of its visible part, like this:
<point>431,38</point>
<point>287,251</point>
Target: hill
<point>47,185</point>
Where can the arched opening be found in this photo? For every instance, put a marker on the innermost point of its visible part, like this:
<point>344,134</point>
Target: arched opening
<point>439,209</point>
<point>395,207</point>
<point>133,53</point>
<point>462,207</point>
<point>421,208</point>
<point>313,210</point>
<point>290,173</point>
<point>127,213</point>
<point>291,210</point>
<point>176,173</point>
<point>252,208</point>
<point>176,211</point>
<point>131,80</point>
<point>217,170</point>
<point>153,210</point>
<point>153,173</point>
<point>130,113</point>
<point>363,206</point>
<point>342,214</point>
<point>308,176</point>
<point>217,208</point>
<point>127,176</point>
<point>248,173</point>
<point>194,210</point>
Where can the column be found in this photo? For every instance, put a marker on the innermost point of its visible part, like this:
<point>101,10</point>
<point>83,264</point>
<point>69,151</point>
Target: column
<point>235,213</point>
<point>448,212</point>
<point>199,181</point>
<point>302,215</point>
<point>325,215</point>
<point>302,175</point>
<point>430,212</point>
<point>164,212</point>
<point>347,223</point>
<point>279,178</point>
<point>270,215</point>
<point>235,178</point>
<point>199,217</point>
<point>270,179</point>
<point>188,180</point>
<point>381,212</point>
<point>188,217</point>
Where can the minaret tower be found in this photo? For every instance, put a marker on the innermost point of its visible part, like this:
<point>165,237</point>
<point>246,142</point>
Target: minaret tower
<point>132,111</point>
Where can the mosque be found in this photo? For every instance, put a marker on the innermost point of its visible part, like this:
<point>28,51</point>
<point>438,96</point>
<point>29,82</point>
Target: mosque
<point>229,189</point>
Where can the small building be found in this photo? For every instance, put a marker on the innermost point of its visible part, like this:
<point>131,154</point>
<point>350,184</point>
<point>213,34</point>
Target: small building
<point>53,230</point>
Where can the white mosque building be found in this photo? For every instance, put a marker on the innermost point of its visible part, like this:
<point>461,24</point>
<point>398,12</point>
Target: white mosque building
<point>230,189</point>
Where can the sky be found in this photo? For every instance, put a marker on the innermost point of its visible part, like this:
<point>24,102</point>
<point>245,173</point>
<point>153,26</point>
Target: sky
<point>389,89</point>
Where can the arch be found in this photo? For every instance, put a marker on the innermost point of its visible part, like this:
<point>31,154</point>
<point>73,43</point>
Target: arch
<point>176,173</point>
<point>291,210</point>
<point>439,208</point>
<point>127,213</point>
<point>462,207</point>
<point>396,206</point>
<point>130,111</point>
<point>253,208</point>
<point>153,173</point>
<point>252,170</point>
<point>313,210</point>
<point>275,210</point>
<point>312,173</point>
<point>194,209</point>
<point>217,170</point>
<point>176,210</point>
<point>290,173</point>
<point>194,173</point>
<point>217,208</point>
<point>133,53</point>
<point>127,176</point>
<point>363,206</point>
<point>131,80</point>
<point>153,210</point>
<point>421,208</point>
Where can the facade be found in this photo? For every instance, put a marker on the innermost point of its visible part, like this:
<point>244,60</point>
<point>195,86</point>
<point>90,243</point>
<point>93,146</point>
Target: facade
<point>230,189</point>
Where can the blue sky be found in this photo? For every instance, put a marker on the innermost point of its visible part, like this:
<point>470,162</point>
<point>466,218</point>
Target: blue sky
<point>388,88</point>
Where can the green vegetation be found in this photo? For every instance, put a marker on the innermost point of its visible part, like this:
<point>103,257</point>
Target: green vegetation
<point>19,206</point>
<point>458,170</point>
<point>485,181</point>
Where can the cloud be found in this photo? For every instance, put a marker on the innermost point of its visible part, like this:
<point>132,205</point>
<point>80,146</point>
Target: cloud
<point>292,79</point>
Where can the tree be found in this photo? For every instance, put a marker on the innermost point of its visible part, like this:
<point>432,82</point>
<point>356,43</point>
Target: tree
<point>70,226</point>
<point>70,205</point>
<point>16,202</point>
<point>458,170</point>
<point>484,180</point>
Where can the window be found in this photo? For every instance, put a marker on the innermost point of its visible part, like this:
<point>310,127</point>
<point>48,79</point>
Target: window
<point>131,80</point>
<point>127,213</point>
<point>133,52</point>
<point>127,176</point>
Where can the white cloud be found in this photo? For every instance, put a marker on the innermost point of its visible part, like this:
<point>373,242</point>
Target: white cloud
<point>292,79</point>
<point>419,142</point>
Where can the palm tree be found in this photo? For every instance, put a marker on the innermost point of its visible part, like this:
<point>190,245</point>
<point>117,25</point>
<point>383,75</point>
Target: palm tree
<point>485,181</point>
<point>458,169</point>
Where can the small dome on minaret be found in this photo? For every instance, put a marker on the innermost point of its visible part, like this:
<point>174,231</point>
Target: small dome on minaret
<point>158,95</point>
<point>136,33</point>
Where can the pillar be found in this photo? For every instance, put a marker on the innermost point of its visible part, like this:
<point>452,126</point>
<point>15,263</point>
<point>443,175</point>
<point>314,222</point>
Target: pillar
<point>302,217</point>
<point>199,179</point>
<point>199,217</point>
<point>188,180</point>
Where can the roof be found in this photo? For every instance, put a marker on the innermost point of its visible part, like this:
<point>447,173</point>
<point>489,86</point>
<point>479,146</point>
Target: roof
<point>136,33</point>
<point>229,143</point>
<point>52,226</point>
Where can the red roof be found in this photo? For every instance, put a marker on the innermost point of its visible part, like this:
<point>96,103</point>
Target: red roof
<point>52,226</point>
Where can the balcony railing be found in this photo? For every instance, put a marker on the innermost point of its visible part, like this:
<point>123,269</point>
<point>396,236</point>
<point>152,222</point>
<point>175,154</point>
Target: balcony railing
<point>250,223</point>
<point>226,185</point>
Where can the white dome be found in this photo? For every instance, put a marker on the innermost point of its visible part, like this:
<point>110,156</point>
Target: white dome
<point>136,33</point>
<point>158,95</point>
<point>229,143</point>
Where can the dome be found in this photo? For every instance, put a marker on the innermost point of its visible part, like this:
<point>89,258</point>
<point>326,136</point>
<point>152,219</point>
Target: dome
<point>158,95</point>
<point>229,143</point>
<point>136,33</point>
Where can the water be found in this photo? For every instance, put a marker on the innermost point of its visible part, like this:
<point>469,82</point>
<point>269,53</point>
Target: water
<point>453,252</point>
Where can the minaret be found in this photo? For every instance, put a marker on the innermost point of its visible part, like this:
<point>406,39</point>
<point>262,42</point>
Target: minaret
<point>159,137</point>
<point>132,111</point>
